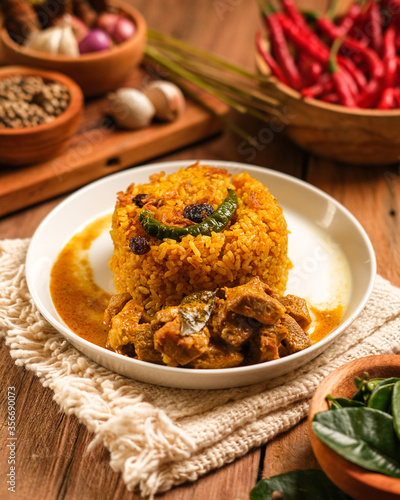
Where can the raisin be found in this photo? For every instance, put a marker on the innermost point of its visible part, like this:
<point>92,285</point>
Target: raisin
<point>139,200</point>
<point>198,212</point>
<point>139,245</point>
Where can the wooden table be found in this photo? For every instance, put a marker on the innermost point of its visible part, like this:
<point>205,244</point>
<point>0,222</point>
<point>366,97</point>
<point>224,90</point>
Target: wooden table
<point>52,458</point>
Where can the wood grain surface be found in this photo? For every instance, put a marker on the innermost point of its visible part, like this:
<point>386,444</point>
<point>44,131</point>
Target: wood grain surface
<point>53,461</point>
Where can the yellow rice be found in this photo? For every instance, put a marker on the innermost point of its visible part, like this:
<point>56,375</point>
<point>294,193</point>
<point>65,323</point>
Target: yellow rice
<point>253,244</point>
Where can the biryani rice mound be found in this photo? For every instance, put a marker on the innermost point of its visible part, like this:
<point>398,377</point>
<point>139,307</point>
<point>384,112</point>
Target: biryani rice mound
<point>254,243</point>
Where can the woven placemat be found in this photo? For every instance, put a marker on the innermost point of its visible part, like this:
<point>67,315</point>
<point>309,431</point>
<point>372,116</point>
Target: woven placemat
<point>160,437</point>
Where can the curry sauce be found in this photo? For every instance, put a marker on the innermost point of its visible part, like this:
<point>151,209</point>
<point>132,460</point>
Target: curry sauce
<point>81,302</point>
<point>78,300</point>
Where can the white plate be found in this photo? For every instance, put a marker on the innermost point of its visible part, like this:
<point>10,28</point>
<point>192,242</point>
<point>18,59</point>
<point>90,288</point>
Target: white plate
<point>333,262</point>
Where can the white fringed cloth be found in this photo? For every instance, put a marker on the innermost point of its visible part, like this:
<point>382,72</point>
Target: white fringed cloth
<point>160,437</point>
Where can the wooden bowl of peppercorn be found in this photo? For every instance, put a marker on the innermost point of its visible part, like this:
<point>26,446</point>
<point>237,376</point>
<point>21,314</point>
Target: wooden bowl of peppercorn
<point>39,113</point>
<point>95,72</point>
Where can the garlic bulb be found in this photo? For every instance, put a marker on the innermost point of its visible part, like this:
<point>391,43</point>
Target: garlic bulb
<point>58,40</point>
<point>131,109</point>
<point>167,98</point>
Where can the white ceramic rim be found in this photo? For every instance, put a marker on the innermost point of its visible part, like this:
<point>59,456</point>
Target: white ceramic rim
<point>190,378</point>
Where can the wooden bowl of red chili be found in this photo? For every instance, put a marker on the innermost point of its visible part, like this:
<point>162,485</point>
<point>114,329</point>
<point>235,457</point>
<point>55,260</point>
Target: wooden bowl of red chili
<point>357,432</point>
<point>338,80</point>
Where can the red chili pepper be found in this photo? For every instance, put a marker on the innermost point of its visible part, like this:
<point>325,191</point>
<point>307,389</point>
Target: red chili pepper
<point>389,57</point>
<point>358,76</point>
<point>332,98</point>
<point>348,20</point>
<point>315,71</point>
<point>324,84</point>
<point>398,71</point>
<point>370,95</point>
<point>272,64</point>
<point>333,31</point>
<point>358,31</point>
<point>292,11</point>
<point>339,78</point>
<point>388,99</point>
<point>375,27</point>
<point>352,85</point>
<point>297,17</point>
<point>393,8</point>
<point>281,51</point>
<point>318,51</point>
<point>397,97</point>
<point>310,70</point>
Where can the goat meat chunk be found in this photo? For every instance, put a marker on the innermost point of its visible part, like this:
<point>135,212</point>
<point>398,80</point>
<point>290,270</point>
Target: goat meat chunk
<point>264,346</point>
<point>180,349</point>
<point>123,325</point>
<point>142,338</point>
<point>297,308</point>
<point>217,356</point>
<point>251,300</point>
<point>115,306</point>
<point>296,338</point>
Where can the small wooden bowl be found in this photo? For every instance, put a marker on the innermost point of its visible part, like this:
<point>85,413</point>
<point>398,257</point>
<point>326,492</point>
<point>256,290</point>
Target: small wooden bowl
<point>96,73</point>
<point>353,480</point>
<point>24,146</point>
<point>355,136</point>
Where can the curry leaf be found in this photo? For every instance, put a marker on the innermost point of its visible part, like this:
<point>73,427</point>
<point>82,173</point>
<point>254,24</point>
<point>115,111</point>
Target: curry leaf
<point>195,310</point>
<point>396,408</point>
<point>308,484</point>
<point>364,436</point>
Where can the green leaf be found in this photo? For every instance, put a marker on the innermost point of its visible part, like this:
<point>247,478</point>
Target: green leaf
<point>381,397</point>
<point>396,408</point>
<point>338,403</point>
<point>373,382</point>
<point>364,436</point>
<point>311,484</point>
<point>195,310</point>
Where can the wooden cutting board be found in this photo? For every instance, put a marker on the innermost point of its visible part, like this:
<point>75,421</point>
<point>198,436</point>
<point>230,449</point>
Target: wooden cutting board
<point>99,149</point>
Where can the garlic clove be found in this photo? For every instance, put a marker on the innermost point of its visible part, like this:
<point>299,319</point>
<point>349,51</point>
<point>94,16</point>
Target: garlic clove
<point>131,109</point>
<point>167,99</point>
<point>45,41</point>
<point>59,39</point>
<point>68,44</point>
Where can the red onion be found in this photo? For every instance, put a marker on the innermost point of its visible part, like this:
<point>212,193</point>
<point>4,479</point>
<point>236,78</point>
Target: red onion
<point>119,28</point>
<point>95,41</point>
<point>124,29</point>
<point>107,22</point>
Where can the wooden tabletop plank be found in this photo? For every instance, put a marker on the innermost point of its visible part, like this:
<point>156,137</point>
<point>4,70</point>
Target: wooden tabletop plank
<point>52,454</point>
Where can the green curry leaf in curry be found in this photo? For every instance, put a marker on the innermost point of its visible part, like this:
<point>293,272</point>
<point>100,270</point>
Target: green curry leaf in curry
<point>195,310</point>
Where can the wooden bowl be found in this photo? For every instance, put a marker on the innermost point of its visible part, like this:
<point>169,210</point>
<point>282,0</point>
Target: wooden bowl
<point>356,136</point>
<point>353,480</point>
<point>30,145</point>
<point>96,73</point>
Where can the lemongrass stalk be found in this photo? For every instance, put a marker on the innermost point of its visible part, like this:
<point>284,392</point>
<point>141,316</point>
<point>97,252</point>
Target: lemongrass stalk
<point>191,77</point>
<point>229,123</point>
<point>247,92</point>
<point>207,56</point>
<point>241,108</point>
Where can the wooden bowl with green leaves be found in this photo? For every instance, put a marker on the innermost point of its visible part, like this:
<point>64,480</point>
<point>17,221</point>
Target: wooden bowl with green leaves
<point>368,438</point>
